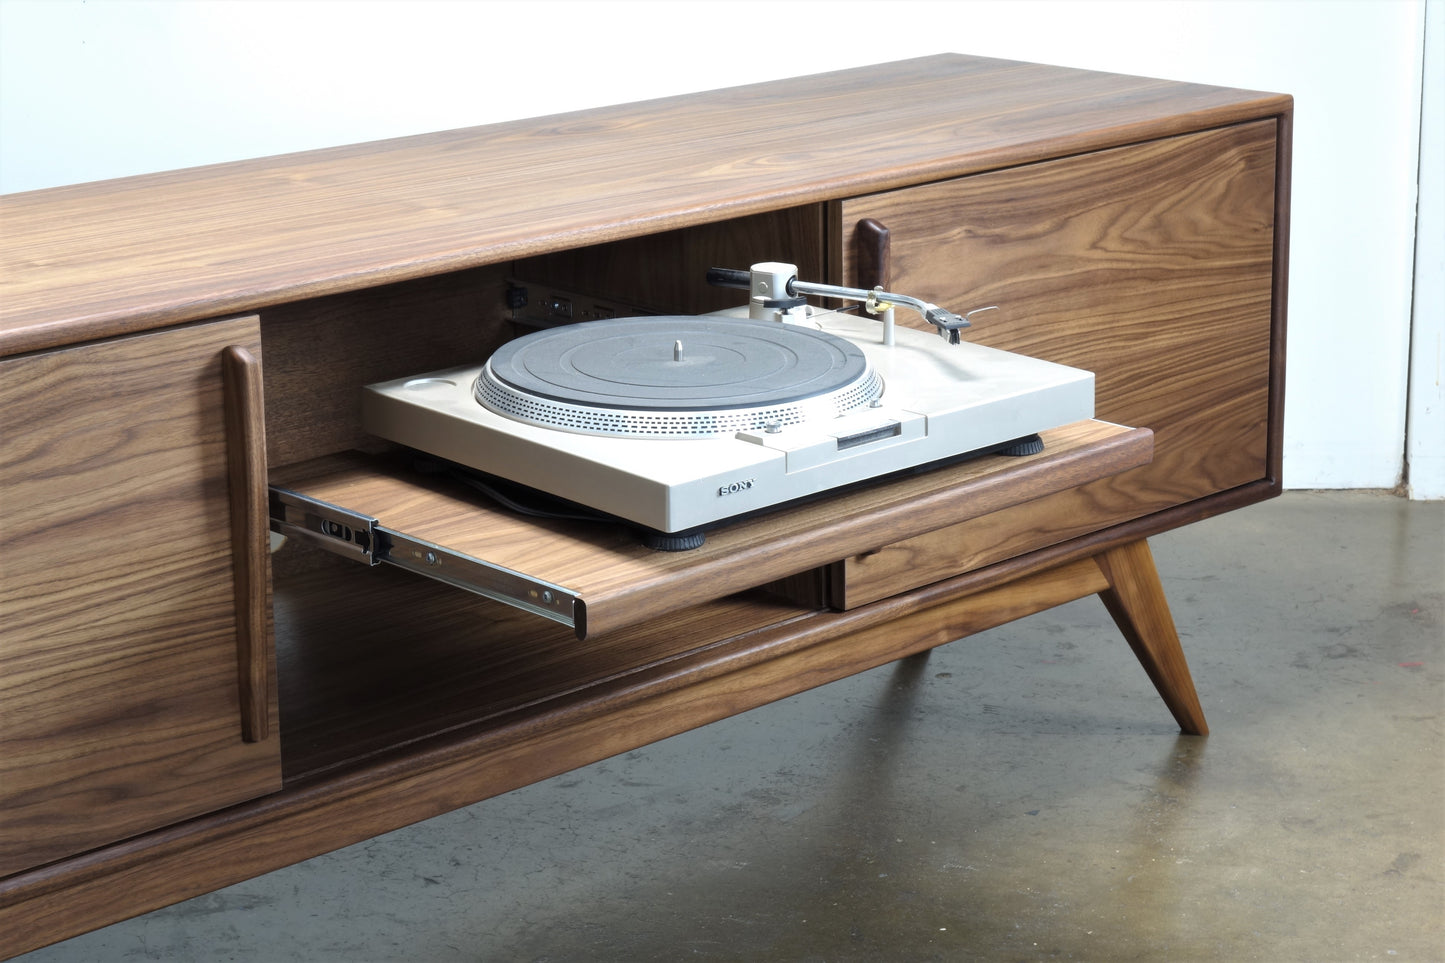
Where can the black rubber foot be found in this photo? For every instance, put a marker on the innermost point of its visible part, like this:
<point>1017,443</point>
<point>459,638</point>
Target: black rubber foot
<point>674,542</point>
<point>1031,445</point>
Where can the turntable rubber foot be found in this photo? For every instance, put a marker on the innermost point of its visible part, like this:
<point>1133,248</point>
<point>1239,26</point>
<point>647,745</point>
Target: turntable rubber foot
<point>1031,445</point>
<point>673,542</point>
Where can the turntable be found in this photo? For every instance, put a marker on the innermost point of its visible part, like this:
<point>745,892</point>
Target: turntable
<point>678,423</point>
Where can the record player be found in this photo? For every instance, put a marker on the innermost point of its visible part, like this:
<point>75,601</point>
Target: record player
<point>675,424</point>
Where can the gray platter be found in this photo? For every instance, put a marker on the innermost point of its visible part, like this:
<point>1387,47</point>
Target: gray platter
<point>676,377</point>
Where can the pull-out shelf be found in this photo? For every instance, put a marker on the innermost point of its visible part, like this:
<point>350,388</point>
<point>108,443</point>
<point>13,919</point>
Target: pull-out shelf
<point>597,578</point>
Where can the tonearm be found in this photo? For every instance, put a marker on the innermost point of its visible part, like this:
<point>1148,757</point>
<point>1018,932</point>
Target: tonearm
<point>776,291</point>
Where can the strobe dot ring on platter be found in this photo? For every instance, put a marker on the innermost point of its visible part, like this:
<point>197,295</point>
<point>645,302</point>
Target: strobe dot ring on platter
<point>676,377</point>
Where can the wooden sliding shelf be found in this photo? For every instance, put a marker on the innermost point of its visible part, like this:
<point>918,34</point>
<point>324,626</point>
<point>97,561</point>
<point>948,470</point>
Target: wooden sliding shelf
<point>181,708</point>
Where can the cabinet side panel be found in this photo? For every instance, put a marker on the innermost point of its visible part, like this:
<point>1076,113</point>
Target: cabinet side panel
<point>119,705</point>
<point>1150,265</point>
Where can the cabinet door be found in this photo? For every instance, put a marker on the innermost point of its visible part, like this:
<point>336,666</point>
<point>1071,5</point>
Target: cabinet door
<point>1151,265</point>
<point>120,704</point>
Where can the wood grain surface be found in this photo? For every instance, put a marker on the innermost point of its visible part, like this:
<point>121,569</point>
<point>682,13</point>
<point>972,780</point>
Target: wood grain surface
<point>119,704</point>
<point>977,542</point>
<point>1135,599</point>
<point>373,661</point>
<point>320,352</point>
<point>623,583</point>
<point>665,273</point>
<point>250,535</point>
<point>1152,266</point>
<point>159,249</point>
<point>465,764</point>
<point>1133,227</point>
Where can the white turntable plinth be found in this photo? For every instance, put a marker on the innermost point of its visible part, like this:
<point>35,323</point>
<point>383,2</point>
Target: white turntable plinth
<point>880,410</point>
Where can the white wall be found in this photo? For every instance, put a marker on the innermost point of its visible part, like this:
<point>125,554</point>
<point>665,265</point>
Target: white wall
<point>109,88</point>
<point>1425,435</point>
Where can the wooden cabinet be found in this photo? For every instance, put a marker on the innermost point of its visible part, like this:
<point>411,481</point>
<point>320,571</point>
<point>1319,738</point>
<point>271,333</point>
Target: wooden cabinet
<point>120,702</point>
<point>180,709</point>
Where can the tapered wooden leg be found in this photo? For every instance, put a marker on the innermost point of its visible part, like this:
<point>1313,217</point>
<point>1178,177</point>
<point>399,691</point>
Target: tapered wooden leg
<point>1136,601</point>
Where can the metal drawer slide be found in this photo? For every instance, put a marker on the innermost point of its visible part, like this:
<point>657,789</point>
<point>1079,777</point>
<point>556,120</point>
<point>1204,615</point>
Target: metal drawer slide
<point>361,537</point>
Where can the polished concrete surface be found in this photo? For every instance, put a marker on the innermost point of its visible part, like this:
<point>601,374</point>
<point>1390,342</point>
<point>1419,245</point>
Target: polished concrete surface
<point>1019,795</point>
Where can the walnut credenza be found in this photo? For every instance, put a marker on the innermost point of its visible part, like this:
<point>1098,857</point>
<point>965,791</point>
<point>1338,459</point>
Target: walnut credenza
<point>181,709</point>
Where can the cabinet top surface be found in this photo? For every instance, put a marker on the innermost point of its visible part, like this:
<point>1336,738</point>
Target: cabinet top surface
<point>113,257</point>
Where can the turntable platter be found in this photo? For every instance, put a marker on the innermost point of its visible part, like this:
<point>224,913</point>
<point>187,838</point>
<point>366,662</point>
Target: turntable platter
<point>676,377</point>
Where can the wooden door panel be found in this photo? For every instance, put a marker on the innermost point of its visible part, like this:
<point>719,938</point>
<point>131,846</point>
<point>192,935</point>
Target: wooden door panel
<point>1150,265</point>
<point>119,702</point>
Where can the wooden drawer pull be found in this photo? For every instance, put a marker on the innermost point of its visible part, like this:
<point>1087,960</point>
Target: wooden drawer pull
<point>250,533</point>
<point>872,248</point>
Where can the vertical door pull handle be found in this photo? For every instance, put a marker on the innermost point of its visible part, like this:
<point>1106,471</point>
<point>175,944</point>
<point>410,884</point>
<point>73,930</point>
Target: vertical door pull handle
<point>250,533</point>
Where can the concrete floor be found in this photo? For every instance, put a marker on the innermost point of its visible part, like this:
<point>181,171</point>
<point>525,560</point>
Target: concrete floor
<point>1021,795</point>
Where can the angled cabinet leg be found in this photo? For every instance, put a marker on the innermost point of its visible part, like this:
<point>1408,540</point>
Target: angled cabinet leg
<point>1136,601</point>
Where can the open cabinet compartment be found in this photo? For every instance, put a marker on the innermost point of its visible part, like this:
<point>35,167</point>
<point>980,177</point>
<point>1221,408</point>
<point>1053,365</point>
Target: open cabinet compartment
<point>635,608</point>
